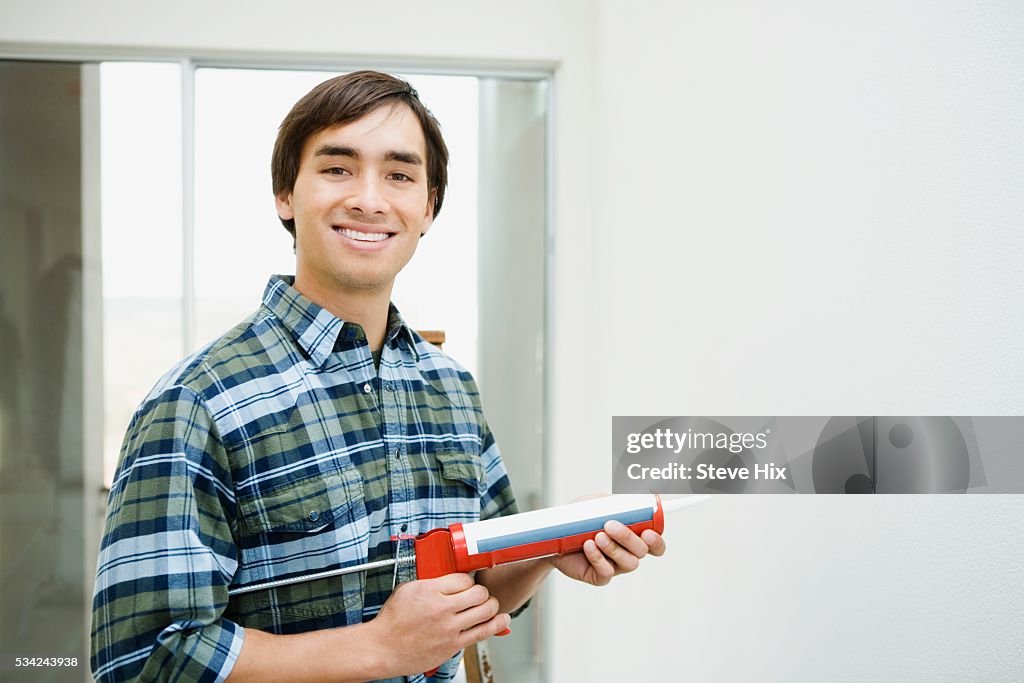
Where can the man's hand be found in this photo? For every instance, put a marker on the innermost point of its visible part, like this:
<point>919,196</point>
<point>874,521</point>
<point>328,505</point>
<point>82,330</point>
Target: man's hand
<point>616,550</point>
<point>425,622</point>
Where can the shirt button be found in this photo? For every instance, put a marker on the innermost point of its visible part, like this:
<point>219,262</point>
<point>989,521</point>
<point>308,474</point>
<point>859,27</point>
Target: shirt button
<point>367,388</point>
<point>313,515</point>
<point>398,454</point>
<point>405,527</point>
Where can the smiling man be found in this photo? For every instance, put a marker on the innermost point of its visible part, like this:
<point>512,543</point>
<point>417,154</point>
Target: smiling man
<point>321,432</point>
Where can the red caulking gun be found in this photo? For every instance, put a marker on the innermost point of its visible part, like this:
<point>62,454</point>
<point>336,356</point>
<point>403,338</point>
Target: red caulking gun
<point>526,536</point>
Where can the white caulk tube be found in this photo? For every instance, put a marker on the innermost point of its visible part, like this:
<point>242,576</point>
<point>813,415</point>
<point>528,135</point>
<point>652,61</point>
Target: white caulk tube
<point>529,535</point>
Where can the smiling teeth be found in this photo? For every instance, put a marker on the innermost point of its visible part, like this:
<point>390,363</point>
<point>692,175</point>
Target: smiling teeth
<point>364,236</point>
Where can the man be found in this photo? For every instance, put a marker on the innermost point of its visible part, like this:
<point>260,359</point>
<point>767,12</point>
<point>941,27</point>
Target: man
<point>320,432</point>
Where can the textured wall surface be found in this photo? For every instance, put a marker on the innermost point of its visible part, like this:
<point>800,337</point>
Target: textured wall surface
<point>813,209</point>
<point>782,588</point>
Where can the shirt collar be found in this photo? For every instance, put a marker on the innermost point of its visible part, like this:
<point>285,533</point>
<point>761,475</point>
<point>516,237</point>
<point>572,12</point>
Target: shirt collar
<point>397,328</point>
<point>316,329</point>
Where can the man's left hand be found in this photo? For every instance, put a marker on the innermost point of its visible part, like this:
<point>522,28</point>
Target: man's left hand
<point>616,550</point>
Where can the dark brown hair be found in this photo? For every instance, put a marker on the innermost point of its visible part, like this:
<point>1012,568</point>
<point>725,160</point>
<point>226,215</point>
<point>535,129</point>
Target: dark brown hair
<point>345,99</point>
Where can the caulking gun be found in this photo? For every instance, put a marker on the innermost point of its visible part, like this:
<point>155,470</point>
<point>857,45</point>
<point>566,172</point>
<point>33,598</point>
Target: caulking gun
<point>558,530</point>
<point>525,536</point>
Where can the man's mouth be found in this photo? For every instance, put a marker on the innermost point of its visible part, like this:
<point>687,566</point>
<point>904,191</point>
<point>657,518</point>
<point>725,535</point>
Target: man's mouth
<point>362,236</point>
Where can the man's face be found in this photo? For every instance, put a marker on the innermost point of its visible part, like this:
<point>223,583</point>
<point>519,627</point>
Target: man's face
<point>360,202</point>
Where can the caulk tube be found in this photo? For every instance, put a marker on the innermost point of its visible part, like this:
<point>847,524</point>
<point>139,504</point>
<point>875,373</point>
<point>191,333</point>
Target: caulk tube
<point>554,531</point>
<point>529,535</point>
<point>551,531</point>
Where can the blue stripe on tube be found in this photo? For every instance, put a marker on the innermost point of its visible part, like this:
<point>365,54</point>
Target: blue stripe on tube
<point>547,533</point>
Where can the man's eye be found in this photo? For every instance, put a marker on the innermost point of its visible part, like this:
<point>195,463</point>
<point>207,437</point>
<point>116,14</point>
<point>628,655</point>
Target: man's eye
<point>334,170</point>
<point>400,176</point>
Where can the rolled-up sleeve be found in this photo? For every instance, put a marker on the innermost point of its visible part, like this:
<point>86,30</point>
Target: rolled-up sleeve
<point>168,554</point>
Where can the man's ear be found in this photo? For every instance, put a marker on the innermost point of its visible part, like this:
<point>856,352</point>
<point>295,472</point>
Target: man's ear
<point>283,202</point>
<point>429,217</point>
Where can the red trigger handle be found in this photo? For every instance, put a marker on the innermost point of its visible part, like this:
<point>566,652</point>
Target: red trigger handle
<point>435,556</point>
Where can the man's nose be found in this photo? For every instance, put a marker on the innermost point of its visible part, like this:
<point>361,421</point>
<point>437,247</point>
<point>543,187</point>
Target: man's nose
<point>367,196</point>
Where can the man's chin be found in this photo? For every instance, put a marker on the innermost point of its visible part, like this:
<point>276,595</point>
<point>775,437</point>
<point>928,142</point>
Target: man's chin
<point>368,283</point>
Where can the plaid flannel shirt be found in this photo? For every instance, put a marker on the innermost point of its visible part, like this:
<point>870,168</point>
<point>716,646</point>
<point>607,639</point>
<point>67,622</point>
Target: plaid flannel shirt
<point>276,451</point>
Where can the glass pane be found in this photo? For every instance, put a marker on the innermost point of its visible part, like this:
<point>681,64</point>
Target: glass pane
<point>42,553</point>
<point>140,157</point>
<point>240,241</point>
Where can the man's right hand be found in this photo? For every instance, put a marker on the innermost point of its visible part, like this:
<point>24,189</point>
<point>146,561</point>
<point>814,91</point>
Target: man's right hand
<point>425,622</point>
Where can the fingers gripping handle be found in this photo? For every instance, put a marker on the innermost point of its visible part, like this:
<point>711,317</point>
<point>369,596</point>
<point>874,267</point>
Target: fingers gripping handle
<point>435,556</point>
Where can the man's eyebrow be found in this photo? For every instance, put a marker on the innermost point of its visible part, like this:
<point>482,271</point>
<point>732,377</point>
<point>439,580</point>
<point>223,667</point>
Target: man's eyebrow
<point>411,158</point>
<point>336,151</point>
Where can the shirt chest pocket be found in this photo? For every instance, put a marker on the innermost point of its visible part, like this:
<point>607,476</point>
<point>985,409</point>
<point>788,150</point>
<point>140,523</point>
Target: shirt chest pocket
<point>310,525</point>
<point>460,477</point>
<point>307,505</point>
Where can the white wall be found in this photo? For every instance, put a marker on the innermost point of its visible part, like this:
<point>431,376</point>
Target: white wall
<point>811,208</point>
<point>830,201</point>
<point>764,208</point>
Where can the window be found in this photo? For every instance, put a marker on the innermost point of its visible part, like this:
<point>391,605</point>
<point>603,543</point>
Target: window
<point>139,224</point>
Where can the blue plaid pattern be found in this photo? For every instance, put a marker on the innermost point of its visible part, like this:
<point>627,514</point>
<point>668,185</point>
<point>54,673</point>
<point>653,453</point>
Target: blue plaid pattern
<point>280,450</point>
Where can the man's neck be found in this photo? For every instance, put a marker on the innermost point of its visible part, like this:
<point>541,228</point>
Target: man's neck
<point>367,307</point>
